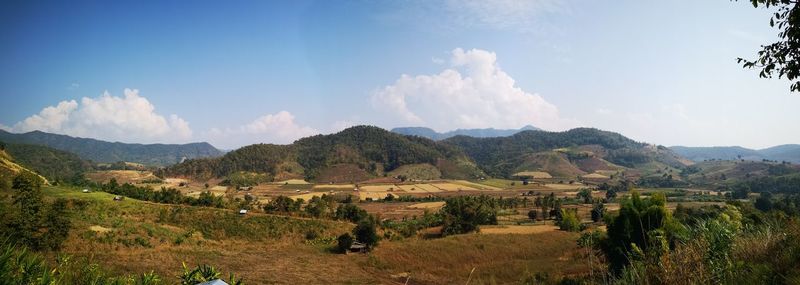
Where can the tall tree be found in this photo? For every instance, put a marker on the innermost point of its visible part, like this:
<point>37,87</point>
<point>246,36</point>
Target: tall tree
<point>29,202</point>
<point>781,58</point>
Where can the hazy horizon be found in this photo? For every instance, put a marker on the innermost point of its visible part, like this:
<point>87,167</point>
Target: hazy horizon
<point>266,72</point>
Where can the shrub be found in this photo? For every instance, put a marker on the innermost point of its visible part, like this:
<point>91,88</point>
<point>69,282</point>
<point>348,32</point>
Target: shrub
<point>532,214</point>
<point>366,233</point>
<point>597,212</point>
<point>569,220</point>
<point>343,242</point>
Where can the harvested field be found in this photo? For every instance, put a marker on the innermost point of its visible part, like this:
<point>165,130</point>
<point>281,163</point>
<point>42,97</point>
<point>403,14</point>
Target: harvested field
<point>293,182</point>
<point>379,188</point>
<point>335,186</point>
<point>476,185</point>
<point>452,187</point>
<point>308,196</point>
<point>364,195</point>
<point>575,186</point>
<point>427,188</point>
<point>219,188</point>
<point>595,176</point>
<point>515,229</point>
<point>427,205</point>
<point>534,174</point>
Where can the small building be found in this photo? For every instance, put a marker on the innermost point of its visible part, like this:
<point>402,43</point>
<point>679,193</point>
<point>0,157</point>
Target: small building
<point>243,212</point>
<point>358,247</point>
<point>85,191</point>
<point>118,198</point>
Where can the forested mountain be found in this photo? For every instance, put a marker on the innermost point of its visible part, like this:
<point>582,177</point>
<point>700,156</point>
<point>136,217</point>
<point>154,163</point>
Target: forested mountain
<point>364,152</point>
<point>356,153</point>
<point>477,133</point>
<point>55,165</point>
<point>502,156</point>
<point>788,152</point>
<point>108,152</point>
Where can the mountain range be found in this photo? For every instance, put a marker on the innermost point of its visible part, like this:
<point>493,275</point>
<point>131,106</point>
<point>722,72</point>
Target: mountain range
<point>477,133</point>
<point>109,152</point>
<point>787,152</point>
<point>363,153</point>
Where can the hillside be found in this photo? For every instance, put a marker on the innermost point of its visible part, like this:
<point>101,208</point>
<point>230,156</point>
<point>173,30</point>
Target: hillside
<point>726,172</point>
<point>477,133</point>
<point>53,164</point>
<point>565,153</point>
<point>788,152</point>
<point>10,168</point>
<point>108,152</point>
<point>353,154</point>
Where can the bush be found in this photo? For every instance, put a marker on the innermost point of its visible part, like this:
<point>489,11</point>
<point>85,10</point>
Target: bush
<point>532,214</point>
<point>598,211</point>
<point>343,242</point>
<point>365,232</point>
<point>569,220</point>
<point>350,213</point>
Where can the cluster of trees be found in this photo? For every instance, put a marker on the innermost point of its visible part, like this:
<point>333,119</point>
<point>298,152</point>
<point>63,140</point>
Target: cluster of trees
<point>245,179</point>
<point>781,184</point>
<point>549,205</point>
<point>463,214</point>
<point>29,220</point>
<point>164,195</point>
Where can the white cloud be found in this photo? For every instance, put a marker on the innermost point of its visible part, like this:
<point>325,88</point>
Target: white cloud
<point>278,128</point>
<point>474,93</point>
<point>131,118</point>
<point>74,86</point>
<point>5,128</point>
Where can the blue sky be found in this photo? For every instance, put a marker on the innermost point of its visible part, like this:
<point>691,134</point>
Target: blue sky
<point>242,72</point>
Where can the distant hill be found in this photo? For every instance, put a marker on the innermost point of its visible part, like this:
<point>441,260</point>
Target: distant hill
<point>477,133</point>
<point>354,154</point>
<point>788,152</point>
<point>570,153</point>
<point>108,152</point>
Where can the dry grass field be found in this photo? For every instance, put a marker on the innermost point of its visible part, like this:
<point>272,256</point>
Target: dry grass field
<point>515,229</point>
<point>122,176</point>
<point>496,258</point>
